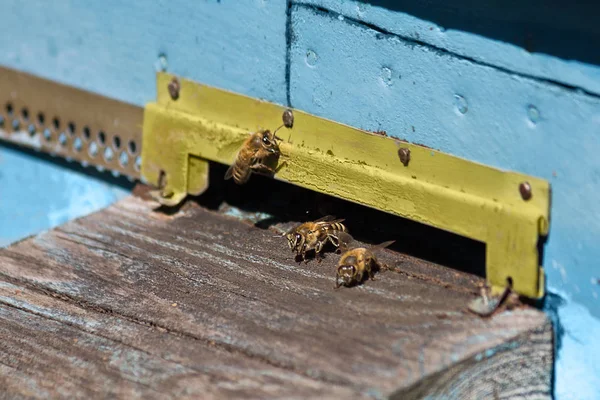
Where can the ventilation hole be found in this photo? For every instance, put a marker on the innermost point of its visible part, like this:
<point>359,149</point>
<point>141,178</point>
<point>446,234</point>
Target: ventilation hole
<point>77,144</point>
<point>138,163</point>
<point>1,120</point>
<point>62,138</point>
<point>15,124</point>
<point>31,129</point>
<point>117,142</point>
<point>132,147</point>
<point>123,159</point>
<point>41,118</point>
<point>93,149</point>
<point>71,127</point>
<point>56,123</point>
<point>25,114</point>
<point>86,133</point>
<point>108,154</point>
<point>9,109</point>
<point>102,138</point>
<point>47,134</point>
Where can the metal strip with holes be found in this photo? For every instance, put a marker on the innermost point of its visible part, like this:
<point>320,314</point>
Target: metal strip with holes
<point>70,123</point>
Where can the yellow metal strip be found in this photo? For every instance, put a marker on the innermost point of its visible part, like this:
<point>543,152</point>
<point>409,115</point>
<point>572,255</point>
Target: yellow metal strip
<point>434,188</point>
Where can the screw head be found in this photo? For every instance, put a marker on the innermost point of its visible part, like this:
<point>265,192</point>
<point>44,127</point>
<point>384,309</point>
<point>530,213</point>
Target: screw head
<point>288,118</point>
<point>525,190</point>
<point>404,154</point>
<point>174,88</point>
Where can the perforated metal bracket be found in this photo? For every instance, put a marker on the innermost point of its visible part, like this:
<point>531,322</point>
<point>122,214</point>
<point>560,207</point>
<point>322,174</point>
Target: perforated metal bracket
<point>70,123</point>
<point>506,210</point>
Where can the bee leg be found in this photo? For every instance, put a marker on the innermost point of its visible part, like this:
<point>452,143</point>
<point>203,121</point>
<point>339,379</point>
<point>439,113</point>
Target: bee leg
<point>330,238</point>
<point>337,282</point>
<point>335,242</point>
<point>281,165</point>
<point>370,272</point>
<point>304,258</point>
<point>262,168</point>
<point>318,249</point>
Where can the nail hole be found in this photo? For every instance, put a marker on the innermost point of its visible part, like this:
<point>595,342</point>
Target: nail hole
<point>15,124</point>
<point>71,128</point>
<point>117,142</point>
<point>138,163</point>
<point>102,138</point>
<point>86,133</point>
<point>132,147</point>
<point>1,120</point>
<point>47,134</point>
<point>31,129</point>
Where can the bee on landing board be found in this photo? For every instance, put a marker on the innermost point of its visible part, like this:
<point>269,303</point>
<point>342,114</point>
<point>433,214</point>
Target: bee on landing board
<point>355,263</point>
<point>258,154</point>
<point>313,236</point>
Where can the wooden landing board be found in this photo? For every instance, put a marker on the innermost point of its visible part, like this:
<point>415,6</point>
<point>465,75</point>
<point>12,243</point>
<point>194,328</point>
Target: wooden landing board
<point>132,303</point>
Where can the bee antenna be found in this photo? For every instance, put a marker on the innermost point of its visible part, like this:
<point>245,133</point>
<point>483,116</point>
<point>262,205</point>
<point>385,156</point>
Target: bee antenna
<point>274,133</point>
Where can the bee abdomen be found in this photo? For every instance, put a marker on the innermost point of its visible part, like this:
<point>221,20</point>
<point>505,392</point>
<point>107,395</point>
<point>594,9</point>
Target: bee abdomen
<point>338,226</point>
<point>240,174</point>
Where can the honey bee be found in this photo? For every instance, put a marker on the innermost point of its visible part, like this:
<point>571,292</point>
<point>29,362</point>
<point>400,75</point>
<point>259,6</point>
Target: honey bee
<point>313,236</point>
<point>258,153</point>
<point>356,262</point>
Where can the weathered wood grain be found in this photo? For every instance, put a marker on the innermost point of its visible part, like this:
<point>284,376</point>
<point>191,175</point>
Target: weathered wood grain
<point>173,306</point>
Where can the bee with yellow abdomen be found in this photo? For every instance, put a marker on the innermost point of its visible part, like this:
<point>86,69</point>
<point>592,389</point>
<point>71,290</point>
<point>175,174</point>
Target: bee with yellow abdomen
<point>314,235</point>
<point>355,263</point>
<point>258,154</point>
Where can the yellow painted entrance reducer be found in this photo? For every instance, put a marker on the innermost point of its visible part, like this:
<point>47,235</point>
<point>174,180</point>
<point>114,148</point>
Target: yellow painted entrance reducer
<point>191,124</point>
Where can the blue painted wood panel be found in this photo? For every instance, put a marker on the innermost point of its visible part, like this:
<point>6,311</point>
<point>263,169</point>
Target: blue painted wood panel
<point>547,39</point>
<point>356,75</point>
<point>112,47</point>
<point>37,194</point>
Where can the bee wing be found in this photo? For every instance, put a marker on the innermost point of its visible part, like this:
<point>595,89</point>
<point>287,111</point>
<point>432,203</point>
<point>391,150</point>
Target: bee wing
<point>327,218</point>
<point>291,230</point>
<point>382,245</point>
<point>229,172</point>
<point>344,240</point>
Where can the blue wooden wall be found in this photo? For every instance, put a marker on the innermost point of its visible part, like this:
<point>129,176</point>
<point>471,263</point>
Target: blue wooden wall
<point>516,87</point>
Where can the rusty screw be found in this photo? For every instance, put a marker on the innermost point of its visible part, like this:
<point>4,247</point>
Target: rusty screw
<point>404,154</point>
<point>525,190</point>
<point>174,88</point>
<point>288,118</point>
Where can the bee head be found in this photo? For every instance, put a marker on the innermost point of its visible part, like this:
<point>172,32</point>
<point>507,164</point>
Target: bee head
<point>269,142</point>
<point>294,240</point>
<point>347,273</point>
